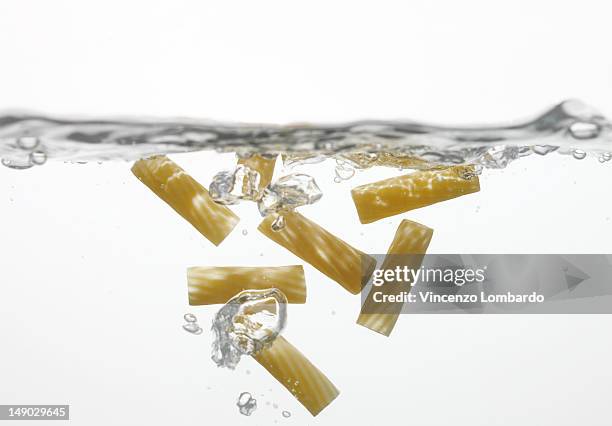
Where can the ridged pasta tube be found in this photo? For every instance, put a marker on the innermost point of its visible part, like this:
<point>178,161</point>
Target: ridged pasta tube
<point>293,370</point>
<point>407,249</point>
<point>329,254</point>
<point>186,196</point>
<point>217,284</point>
<point>400,194</point>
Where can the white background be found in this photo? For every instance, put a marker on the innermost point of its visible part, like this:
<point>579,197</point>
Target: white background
<point>92,286</point>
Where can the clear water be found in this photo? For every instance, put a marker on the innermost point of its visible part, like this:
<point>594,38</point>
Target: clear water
<point>570,128</point>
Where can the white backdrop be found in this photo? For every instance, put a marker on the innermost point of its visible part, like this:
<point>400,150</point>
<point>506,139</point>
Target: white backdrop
<point>92,287</point>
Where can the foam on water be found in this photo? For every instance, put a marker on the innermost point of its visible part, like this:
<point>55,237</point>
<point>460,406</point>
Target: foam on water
<point>27,139</point>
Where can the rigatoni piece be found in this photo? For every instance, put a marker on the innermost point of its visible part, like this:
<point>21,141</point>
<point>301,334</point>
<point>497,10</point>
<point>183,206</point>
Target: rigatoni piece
<point>217,284</point>
<point>262,165</point>
<point>407,249</point>
<point>329,254</point>
<point>293,370</point>
<point>186,196</point>
<point>400,194</point>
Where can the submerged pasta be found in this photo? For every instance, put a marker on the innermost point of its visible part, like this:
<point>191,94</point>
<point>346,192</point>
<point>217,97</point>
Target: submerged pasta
<point>293,370</point>
<point>329,254</point>
<point>186,196</point>
<point>407,249</point>
<point>400,194</point>
<point>217,284</point>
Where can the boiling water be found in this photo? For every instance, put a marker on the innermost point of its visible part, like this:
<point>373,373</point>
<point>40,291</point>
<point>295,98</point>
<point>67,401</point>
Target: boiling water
<point>569,128</point>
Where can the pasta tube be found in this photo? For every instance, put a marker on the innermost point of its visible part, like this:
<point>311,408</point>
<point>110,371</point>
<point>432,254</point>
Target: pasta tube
<point>186,196</point>
<point>407,249</point>
<point>211,284</point>
<point>293,370</point>
<point>329,254</point>
<point>400,194</point>
<point>262,165</point>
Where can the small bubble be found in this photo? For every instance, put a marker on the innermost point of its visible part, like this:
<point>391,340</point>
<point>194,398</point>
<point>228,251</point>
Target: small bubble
<point>286,414</point>
<point>248,372</point>
<point>190,318</point>
<point>38,157</point>
<point>278,224</point>
<point>584,130</point>
<point>337,179</point>
<point>606,156</point>
<point>275,405</point>
<point>192,328</point>
<point>333,312</point>
<point>579,154</point>
<point>28,142</point>
<point>17,164</point>
<point>245,232</point>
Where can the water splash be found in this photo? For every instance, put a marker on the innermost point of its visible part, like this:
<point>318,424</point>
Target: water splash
<point>230,187</point>
<point>249,321</point>
<point>569,125</point>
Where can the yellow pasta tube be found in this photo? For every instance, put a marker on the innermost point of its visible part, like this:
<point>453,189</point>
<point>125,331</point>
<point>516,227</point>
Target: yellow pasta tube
<point>400,194</point>
<point>186,196</point>
<point>329,254</point>
<point>262,165</point>
<point>407,249</point>
<point>217,284</point>
<point>293,370</point>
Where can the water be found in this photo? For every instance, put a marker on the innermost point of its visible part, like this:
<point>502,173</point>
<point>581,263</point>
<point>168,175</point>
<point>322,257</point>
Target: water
<point>247,323</point>
<point>570,125</point>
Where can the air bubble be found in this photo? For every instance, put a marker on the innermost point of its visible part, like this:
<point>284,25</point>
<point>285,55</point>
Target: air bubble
<point>606,156</point>
<point>246,404</point>
<point>38,158</point>
<point>286,414</point>
<point>28,143</point>
<point>245,232</point>
<point>192,328</point>
<point>584,130</point>
<point>17,164</point>
<point>544,149</point>
<point>278,224</point>
<point>579,154</point>
<point>190,318</point>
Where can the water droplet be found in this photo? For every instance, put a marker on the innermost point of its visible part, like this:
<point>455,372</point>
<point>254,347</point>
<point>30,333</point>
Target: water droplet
<point>579,154</point>
<point>192,328</point>
<point>190,318</point>
<point>584,130</point>
<point>245,232</point>
<point>17,164</point>
<point>246,404</point>
<point>38,157</point>
<point>278,224</point>
<point>27,142</point>
<point>286,414</point>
